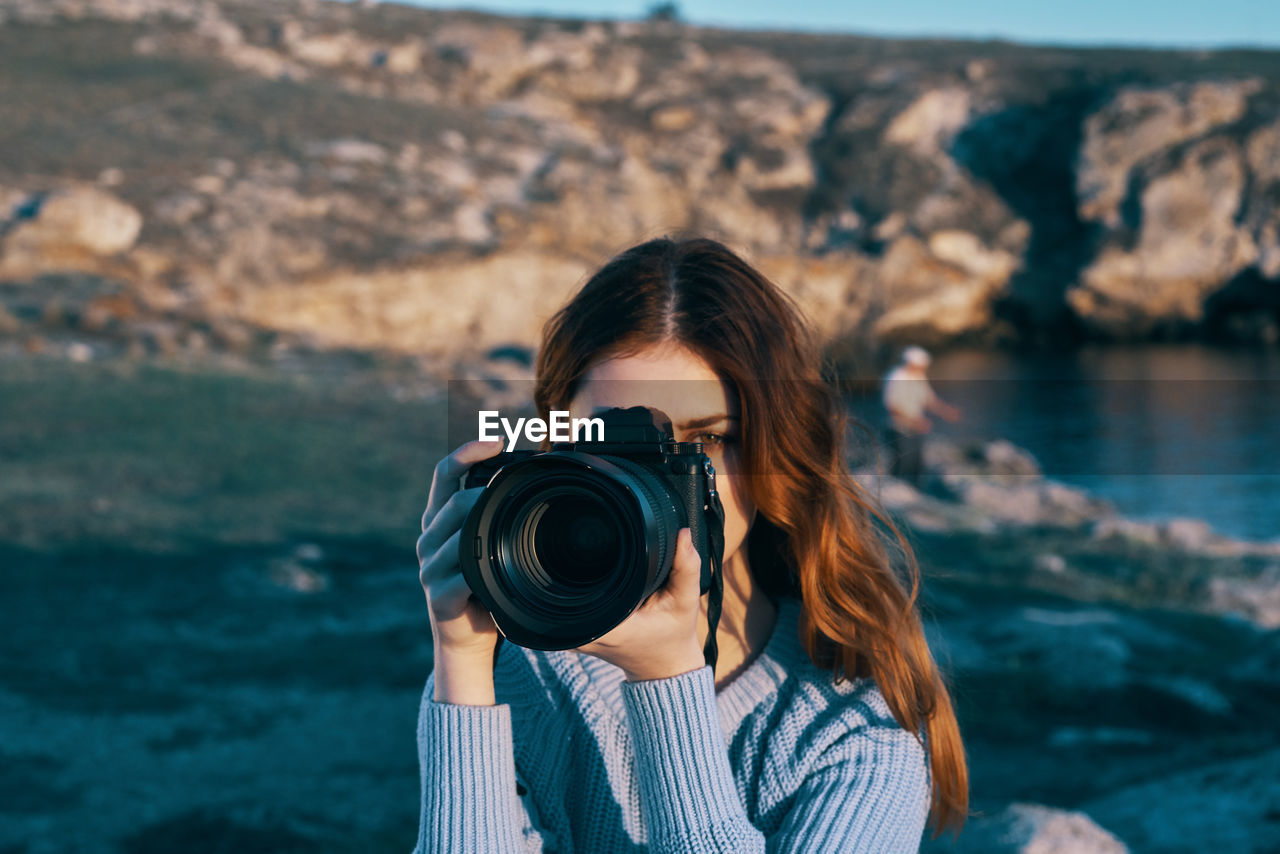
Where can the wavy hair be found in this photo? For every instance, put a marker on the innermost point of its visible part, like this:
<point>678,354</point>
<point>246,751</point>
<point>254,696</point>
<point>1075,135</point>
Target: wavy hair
<point>815,534</point>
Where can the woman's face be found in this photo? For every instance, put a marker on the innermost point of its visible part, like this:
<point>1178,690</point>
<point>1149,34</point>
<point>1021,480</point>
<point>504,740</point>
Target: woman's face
<point>702,409</point>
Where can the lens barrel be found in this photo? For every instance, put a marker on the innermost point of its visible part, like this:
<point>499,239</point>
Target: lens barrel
<point>563,545</point>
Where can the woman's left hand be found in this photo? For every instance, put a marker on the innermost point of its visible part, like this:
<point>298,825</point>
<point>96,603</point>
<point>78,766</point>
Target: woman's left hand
<point>660,638</point>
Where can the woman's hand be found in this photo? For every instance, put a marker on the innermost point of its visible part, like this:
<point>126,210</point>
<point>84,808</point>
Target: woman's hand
<point>660,638</point>
<point>461,629</point>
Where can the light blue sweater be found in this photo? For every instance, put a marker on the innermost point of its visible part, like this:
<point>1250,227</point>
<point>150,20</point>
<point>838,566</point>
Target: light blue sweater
<point>575,759</point>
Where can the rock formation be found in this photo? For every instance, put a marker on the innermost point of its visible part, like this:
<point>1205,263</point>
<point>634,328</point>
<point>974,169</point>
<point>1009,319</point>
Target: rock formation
<point>340,172</point>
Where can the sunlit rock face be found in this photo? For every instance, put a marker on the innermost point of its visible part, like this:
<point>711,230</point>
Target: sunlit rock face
<point>1169,191</point>
<point>332,170</point>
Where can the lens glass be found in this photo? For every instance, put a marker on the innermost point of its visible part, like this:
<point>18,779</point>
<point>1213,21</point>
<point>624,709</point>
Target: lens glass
<point>576,541</point>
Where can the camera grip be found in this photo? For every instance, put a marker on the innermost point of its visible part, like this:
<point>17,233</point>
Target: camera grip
<point>694,489</point>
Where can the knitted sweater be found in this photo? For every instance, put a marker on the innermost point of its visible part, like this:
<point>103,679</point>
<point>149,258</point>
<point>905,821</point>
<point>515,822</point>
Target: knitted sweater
<point>575,759</point>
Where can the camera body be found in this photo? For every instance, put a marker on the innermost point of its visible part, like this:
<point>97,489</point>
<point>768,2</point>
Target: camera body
<point>564,544</point>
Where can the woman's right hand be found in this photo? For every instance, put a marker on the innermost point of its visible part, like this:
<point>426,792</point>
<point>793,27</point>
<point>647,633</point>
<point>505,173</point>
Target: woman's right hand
<point>461,629</point>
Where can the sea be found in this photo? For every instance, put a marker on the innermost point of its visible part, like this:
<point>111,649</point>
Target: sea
<point>1161,431</point>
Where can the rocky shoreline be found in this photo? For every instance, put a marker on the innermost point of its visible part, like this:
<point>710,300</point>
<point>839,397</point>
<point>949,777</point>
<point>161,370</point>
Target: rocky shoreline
<point>1118,683</point>
<point>1108,667</point>
<point>996,490</point>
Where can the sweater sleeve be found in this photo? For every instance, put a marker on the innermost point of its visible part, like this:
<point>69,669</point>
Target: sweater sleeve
<point>687,793</point>
<point>468,778</point>
<point>869,794</point>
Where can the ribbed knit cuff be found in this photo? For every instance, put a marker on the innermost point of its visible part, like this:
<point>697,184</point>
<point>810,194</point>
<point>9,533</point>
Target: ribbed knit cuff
<point>469,800</point>
<point>682,763</point>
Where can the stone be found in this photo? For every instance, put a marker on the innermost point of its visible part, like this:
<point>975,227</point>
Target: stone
<point>210,185</point>
<point>1137,123</point>
<point>218,29</point>
<point>1051,563</point>
<point>930,122</point>
<point>1226,806</point>
<point>1004,457</point>
<point>927,299</point>
<point>1189,534</point>
<point>1189,245</point>
<point>80,352</point>
<point>963,249</point>
<point>471,225</point>
<point>1146,533</point>
<point>676,117</point>
<point>77,220</point>
<point>353,151</point>
<point>1024,828</point>
<point>1256,599</point>
<point>328,51</point>
<point>405,58</point>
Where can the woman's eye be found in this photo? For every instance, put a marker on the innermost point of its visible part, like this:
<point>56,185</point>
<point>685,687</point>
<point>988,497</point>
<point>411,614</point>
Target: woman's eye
<point>715,439</point>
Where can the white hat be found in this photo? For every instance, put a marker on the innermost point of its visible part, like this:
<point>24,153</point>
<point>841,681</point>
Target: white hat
<point>917,356</point>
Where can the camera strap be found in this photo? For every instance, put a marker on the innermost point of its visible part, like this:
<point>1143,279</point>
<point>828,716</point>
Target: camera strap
<point>715,539</point>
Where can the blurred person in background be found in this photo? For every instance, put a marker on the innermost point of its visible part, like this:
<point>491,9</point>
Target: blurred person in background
<point>908,398</point>
<point>822,724</point>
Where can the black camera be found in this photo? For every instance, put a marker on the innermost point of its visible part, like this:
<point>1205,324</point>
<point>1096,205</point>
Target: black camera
<point>563,544</point>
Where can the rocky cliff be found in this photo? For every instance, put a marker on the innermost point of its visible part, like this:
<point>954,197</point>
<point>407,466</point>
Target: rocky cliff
<point>197,174</point>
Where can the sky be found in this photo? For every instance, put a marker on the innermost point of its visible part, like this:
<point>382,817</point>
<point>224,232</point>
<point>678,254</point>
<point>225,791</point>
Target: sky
<point>1148,23</point>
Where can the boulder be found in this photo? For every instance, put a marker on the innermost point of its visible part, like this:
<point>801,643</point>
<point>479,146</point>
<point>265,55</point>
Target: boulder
<point>1139,122</point>
<point>1188,245</point>
<point>930,122</point>
<point>1004,484</point>
<point>1023,828</point>
<point>1257,598</point>
<point>927,297</point>
<point>1228,806</point>
<point>68,226</point>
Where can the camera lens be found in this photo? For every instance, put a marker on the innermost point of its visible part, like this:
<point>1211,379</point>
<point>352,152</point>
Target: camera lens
<point>576,541</point>
<point>562,546</point>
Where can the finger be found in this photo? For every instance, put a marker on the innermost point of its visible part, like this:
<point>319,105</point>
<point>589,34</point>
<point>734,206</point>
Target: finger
<point>449,519</point>
<point>685,582</point>
<point>445,480</point>
<point>441,563</point>
<point>450,598</point>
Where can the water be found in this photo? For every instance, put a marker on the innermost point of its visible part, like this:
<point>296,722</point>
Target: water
<point>1161,431</point>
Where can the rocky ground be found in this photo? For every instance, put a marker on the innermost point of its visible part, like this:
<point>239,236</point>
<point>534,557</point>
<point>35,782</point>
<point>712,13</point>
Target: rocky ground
<point>216,173</point>
<point>215,639</point>
<point>1112,677</point>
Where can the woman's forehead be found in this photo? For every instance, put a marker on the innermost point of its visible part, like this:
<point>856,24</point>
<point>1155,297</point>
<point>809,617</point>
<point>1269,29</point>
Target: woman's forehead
<point>675,381</point>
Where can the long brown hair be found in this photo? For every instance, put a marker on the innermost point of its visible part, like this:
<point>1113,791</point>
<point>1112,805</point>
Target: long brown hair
<point>815,534</point>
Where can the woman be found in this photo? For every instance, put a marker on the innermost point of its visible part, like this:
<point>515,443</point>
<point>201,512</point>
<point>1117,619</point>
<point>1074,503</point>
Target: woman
<point>825,726</point>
